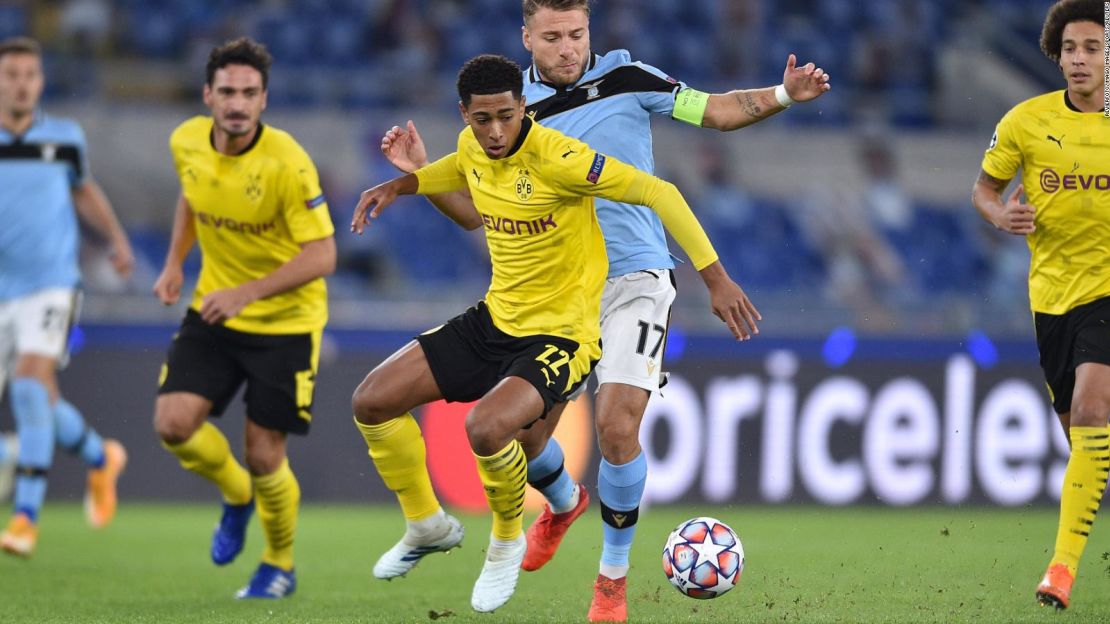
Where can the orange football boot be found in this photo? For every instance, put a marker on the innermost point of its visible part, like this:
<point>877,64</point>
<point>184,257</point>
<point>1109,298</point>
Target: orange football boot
<point>547,532</point>
<point>20,536</point>
<point>609,603</point>
<point>100,493</point>
<point>1055,587</point>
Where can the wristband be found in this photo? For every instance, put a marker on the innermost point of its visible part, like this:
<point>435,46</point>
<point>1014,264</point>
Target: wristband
<point>689,106</point>
<point>783,97</point>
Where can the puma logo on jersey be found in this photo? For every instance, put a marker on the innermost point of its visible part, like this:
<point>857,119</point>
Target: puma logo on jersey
<point>569,152</point>
<point>477,176</point>
<point>1058,142</point>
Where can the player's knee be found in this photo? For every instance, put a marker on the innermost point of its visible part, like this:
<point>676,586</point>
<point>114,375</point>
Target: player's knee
<point>1089,412</point>
<point>619,440</point>
<point>368,405</point>
<point>262,461</point>
<point>172,429</point>
<point>485,434</point>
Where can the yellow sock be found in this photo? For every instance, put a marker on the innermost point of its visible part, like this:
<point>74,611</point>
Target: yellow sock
<point>397,448</point>
<point>208,454</point>
<point>504,475</point>
<point>1084,482</point>
<point>279,497</point>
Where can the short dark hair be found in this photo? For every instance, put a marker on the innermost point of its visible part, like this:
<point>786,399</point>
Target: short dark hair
<point>20,45</point>
<point>241,51</point>
<point>488,74</point>
<point>529,7</point>
<point>1060,15</point>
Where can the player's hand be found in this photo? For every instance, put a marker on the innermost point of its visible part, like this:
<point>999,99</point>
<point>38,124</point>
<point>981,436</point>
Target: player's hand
<point>804,83</point>
<point>220,305</point>
<point>372,200</point>
<point>168,285</point>
<point>730,303</point>
<point>404,148</point>
<point>1017,216</point>
<point>121,256</point>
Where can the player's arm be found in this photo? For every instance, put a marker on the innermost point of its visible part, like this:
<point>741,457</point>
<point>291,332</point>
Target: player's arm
<point>728,300</point>
<point>743,107</point>
<point>1013,215</point>
<point>315,260</point>
<point>404,148</point>
<point>95,210</point>
<point>442,176</point>
<point>168,285</point>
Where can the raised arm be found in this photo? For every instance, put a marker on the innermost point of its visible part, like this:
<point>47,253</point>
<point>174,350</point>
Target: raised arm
<point>743,107</point>
<point>1011,216</point>
<point>404,148</point>
<point>95,210</point>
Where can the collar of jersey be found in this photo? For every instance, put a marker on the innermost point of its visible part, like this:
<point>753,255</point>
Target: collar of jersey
<point>254,141</point>
<point>525,127</point>
<point>37,118</point>
<point>1072,107</point>
<point>534,75</point>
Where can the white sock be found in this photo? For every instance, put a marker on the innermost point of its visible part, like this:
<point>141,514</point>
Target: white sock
<point>429,529</point>
<point>614,572</point>
<point>571,503</point>
<point>500,550</point>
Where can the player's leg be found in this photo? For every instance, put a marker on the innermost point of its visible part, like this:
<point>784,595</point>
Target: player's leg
<point>636,313</point>
<point>105,459</point>
<point>9,441</point>
<point>542,372</point>
<point>566,500</point>
<point>491,427</point>
<point>278,497</point>
<point>1084,479</point>
<point>198,379</point>
<point>382,406</point>
<point>32,390</point>
<point>281,381</point>
<point>40,323</point>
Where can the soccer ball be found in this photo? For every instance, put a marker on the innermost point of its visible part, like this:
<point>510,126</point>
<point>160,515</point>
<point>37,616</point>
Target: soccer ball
<point>703,558</point>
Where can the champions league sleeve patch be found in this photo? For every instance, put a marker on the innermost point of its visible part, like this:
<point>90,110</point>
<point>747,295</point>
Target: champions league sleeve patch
<point>314,202</point>
<point>595,169</point>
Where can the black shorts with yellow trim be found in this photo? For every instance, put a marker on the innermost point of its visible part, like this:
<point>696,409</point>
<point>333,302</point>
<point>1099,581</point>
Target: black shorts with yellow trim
<point>279,370</point>
<point>468,356</point>
<point>1067,340</point>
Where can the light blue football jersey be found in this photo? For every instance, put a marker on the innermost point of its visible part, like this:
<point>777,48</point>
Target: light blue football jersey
<point>38,172</point>
<point>610,109</point>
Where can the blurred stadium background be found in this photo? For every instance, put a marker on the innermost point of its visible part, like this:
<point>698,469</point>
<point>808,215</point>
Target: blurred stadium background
<point>895,363</point>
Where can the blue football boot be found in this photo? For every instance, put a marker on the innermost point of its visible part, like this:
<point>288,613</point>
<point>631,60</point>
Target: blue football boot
<point>231,533</point>
<point>269,582</point>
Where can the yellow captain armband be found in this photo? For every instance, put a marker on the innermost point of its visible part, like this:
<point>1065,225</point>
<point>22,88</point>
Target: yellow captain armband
<point>689,106</point>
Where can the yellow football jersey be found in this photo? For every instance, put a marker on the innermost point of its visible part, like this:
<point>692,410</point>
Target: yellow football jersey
<point>251,213</point>
<point>1064,157</point>
<point>545,243</point>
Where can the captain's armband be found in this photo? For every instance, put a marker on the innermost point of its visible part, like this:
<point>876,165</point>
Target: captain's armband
<point>689,106</point>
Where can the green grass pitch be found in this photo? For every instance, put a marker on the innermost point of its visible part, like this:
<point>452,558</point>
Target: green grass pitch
<point>804,564</point>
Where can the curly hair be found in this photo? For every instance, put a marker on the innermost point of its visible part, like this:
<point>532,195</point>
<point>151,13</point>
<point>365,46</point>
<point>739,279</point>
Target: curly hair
<point>530,7</point>
<point>241,51</point>
<point>1059,16</point>
<point>488,74</point>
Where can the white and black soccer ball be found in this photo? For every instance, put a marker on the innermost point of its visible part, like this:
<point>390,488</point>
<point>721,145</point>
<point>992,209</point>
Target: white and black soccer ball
<point>703,558</point>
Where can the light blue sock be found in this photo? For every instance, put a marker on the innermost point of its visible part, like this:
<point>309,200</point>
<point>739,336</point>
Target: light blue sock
<point>34,422</point>
<point>546,474</point>
<point>74,435</point>
<point>620,489</point>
